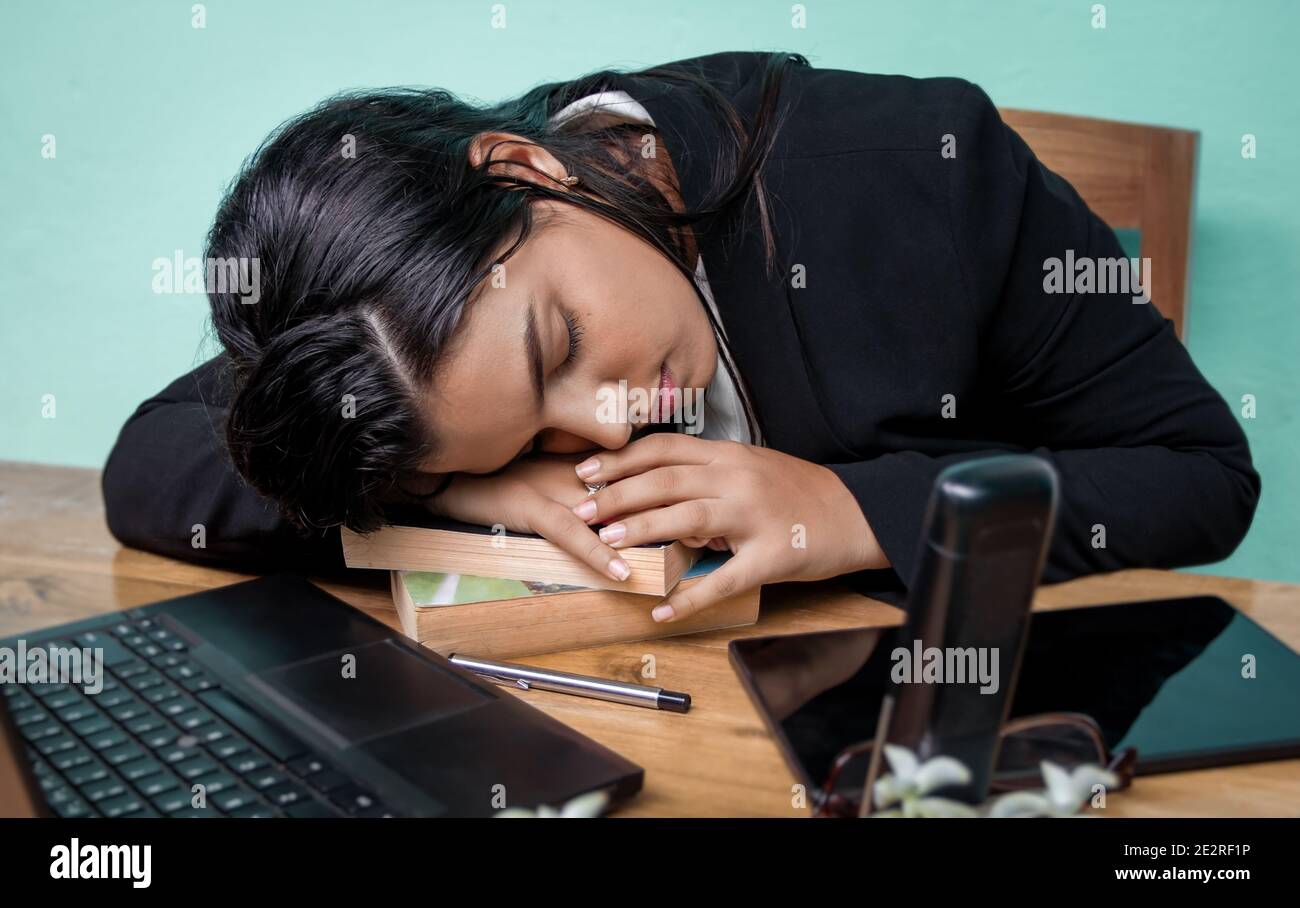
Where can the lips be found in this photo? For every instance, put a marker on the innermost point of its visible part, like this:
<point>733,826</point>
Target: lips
<point>667,396</point>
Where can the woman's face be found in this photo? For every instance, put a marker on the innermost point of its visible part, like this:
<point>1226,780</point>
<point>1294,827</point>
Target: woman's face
<point>584,305</point>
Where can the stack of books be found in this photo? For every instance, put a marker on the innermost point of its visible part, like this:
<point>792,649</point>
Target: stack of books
<point>456,589</point>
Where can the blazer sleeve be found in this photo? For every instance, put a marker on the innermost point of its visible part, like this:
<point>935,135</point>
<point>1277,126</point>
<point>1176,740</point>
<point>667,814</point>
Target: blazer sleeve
<point>1154,469</point>
<point>170,487</point>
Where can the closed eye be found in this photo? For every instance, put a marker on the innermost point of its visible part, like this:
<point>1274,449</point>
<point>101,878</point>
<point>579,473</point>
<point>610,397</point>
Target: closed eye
<point>575,337</point>
<point>573,326</point>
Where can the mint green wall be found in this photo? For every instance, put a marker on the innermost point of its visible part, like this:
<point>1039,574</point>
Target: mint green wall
<point>151,117</point>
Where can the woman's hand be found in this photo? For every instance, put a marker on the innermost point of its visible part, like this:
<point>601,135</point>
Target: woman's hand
<point>782,517</point>
<point>533,495</point>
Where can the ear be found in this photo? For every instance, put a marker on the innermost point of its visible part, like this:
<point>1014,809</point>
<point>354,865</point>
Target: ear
<point>512,155</point>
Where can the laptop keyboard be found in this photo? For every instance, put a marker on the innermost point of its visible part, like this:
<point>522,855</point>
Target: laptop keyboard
<point>160,726</point>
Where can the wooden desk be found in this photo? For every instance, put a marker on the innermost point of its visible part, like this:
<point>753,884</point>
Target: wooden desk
<point>59,563</point>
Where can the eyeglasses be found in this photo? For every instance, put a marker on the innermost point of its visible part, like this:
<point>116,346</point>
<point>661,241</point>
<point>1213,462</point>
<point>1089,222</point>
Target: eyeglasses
<point>1066,739</point>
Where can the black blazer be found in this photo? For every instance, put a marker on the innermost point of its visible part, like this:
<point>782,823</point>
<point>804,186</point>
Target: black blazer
<point>924,278</point>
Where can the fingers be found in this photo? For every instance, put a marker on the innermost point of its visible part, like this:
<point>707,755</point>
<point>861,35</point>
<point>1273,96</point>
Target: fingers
<point>558,524</point>
<point>700,519</point>
<point>656,450</point>
<point>728,580</point>
<point>658,487</point>
<point>717,543</point>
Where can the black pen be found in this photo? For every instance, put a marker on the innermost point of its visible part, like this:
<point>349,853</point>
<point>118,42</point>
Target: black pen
<point>525,677</point>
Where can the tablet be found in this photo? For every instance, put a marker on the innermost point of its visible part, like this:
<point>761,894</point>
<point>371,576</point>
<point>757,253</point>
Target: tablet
<point>1187,682</point>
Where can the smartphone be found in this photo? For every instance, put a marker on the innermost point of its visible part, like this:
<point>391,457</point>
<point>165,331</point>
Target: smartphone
<point>987,529</point>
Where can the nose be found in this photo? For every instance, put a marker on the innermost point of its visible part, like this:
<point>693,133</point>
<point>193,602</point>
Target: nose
<point>583,417</point>
<point>609,437</point>
<point>580,422</point>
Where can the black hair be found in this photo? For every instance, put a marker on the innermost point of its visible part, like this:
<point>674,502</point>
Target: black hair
<point>367,262</point>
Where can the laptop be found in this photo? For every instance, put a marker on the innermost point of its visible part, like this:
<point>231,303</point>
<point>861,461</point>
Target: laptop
<point>272,698</point>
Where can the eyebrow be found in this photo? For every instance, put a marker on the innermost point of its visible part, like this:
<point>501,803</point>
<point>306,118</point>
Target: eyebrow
<point>533,345</point>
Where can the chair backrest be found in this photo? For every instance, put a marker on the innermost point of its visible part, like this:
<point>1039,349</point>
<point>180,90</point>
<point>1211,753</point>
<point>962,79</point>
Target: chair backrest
<point>1134,177</point>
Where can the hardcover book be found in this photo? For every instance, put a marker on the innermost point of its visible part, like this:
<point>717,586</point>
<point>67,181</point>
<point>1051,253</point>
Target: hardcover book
<point>493,618</point>
<point>423,542</point>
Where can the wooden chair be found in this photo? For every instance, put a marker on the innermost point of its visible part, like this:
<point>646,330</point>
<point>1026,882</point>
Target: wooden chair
<point>1135,178</point>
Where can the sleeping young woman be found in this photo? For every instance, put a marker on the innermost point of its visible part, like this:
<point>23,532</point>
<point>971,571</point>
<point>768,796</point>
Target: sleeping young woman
<point>455,301</point>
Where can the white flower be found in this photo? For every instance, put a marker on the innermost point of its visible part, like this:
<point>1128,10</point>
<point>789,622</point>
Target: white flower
<point>592,804</point>
<point>1065,795</point>
<point>906,787</point>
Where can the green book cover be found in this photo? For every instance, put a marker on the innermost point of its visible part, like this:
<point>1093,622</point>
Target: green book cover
<point>428,589</point>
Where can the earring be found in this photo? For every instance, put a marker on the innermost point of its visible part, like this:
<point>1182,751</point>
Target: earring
<point>570,181</point>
